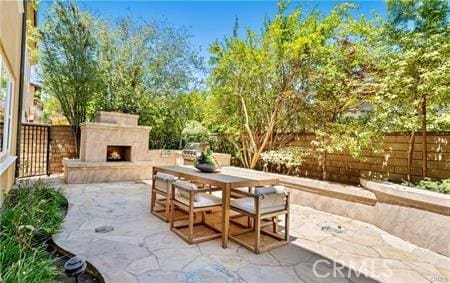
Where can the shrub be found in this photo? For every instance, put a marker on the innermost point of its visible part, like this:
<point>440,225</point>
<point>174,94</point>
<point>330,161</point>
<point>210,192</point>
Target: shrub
<point>31,214</point>
<point>206,157</point>
<point>288,156</point>
<point>442,186</point>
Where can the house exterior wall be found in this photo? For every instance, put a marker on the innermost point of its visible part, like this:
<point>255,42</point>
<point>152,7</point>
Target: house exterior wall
<point>28,109</point>
<point>11,13</point>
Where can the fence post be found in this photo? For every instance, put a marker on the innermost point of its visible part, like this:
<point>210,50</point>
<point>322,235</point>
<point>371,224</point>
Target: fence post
<point>49,140</point>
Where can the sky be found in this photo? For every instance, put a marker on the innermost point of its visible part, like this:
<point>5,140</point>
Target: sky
<point>206,20</point>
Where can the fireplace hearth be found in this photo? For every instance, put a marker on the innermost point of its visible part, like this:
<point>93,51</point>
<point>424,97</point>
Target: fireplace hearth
<point>118,153</point>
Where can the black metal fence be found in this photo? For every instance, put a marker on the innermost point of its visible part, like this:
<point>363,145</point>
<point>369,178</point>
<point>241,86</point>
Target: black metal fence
<point>34,150</point>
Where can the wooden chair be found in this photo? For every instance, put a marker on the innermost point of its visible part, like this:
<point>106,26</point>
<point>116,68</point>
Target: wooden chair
<point>189,198</point>
<point>161,186</point>
<point>264,206</point>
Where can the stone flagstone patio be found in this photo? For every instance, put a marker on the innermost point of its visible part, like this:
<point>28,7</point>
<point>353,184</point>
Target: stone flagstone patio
<point>141,247</point>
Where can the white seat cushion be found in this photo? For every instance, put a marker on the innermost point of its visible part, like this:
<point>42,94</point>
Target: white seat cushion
<point>201,200</point>
<point>163,182</point>
<point>165,177</point>
<point>268,190</point>
<point>162,186</point>
<point>186,186</point>
<point>270,203</point>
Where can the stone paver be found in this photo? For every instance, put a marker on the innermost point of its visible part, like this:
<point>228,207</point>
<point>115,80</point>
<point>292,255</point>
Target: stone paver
<point>141,247</point>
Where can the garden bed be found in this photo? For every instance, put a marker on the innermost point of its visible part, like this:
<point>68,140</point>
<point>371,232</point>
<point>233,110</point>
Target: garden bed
<point>60,257</point>
<point>440,186</point>
<point>31,214</point>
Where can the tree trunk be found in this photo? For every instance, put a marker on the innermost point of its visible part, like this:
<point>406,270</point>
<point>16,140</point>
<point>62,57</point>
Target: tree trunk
<point>247,124</point>
<point>267,135</point>
<point>345,164</point>
<point>77,137</point>
<point>245,153</point>
<point>180,143</point>
<point>324,165</point>
<point>424,136</point>
<point>410,152</point>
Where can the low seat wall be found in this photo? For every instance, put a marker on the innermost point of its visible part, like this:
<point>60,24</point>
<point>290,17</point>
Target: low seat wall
<point>417,216</point>
<point>78,172</point>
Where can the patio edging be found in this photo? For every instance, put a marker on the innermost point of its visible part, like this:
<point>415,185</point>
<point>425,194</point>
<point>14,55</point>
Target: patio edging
<point>68,253</point>
<point>408,197</point>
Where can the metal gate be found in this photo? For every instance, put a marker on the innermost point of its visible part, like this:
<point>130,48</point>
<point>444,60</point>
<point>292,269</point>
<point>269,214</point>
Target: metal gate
<point>34,150</point>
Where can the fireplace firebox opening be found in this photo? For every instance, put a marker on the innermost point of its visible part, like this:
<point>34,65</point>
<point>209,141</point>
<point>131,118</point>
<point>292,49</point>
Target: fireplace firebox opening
<point>118,153</point>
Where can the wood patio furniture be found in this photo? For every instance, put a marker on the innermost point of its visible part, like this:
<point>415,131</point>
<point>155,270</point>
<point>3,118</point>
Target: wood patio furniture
<point>264,206</point>
<point>191,199</point>
<point>228,178</point>
<point>161,186</point>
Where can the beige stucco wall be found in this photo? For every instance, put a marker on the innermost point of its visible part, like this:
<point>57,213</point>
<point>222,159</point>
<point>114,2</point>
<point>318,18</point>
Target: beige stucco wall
<point>10,42</point>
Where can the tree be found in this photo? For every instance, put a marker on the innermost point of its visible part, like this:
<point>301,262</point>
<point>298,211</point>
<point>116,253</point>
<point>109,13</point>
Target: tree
<point>130,66</point>
<point>194,131</point>
<point>150,69</point>
<point>258,84</point>
<point>143,59</point>
<point>169,115</point>
<point>301,73</point>
<point>68,61</point>
<point>344,85</point>
<point>417,81</point>
<point>123,59</point>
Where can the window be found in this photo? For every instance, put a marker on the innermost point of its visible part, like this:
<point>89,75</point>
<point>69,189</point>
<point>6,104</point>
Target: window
<point>6,93</point>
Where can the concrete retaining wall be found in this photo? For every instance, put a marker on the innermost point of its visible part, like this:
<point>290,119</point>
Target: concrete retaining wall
<point>420,217</point>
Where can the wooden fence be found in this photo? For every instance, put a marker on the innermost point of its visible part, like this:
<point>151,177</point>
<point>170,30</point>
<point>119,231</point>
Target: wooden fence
<point>390,164</point>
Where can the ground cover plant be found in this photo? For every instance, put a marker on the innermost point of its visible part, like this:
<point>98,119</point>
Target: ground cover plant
<point>30,214</point>
<point>441,186</point>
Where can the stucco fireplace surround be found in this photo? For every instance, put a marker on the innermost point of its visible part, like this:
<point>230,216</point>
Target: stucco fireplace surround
<point>113,148</point>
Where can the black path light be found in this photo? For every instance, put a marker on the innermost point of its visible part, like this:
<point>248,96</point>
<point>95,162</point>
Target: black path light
<point>75,266</point>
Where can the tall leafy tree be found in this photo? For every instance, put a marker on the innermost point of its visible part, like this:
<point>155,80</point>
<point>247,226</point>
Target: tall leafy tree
<point>258,83</point>
<point>418,62</point>
<point>68,61</point>
<point>344,85</point>
<point>150,69</point>
<point>141,59</point>
<point>302,72</point>
<point>169,115</point>
<point>128,65</point>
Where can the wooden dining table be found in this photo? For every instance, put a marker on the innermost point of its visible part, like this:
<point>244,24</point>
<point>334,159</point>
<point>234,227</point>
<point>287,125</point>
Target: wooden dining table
<point>228,178</point>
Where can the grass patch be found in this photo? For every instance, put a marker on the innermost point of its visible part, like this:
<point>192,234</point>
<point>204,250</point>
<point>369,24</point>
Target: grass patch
<point>441,186</point>
<point>30,215</point>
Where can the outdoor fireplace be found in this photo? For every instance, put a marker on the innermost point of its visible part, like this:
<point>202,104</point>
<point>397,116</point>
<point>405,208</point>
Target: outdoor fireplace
<point>113,148</point>
<point>118,153</point>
